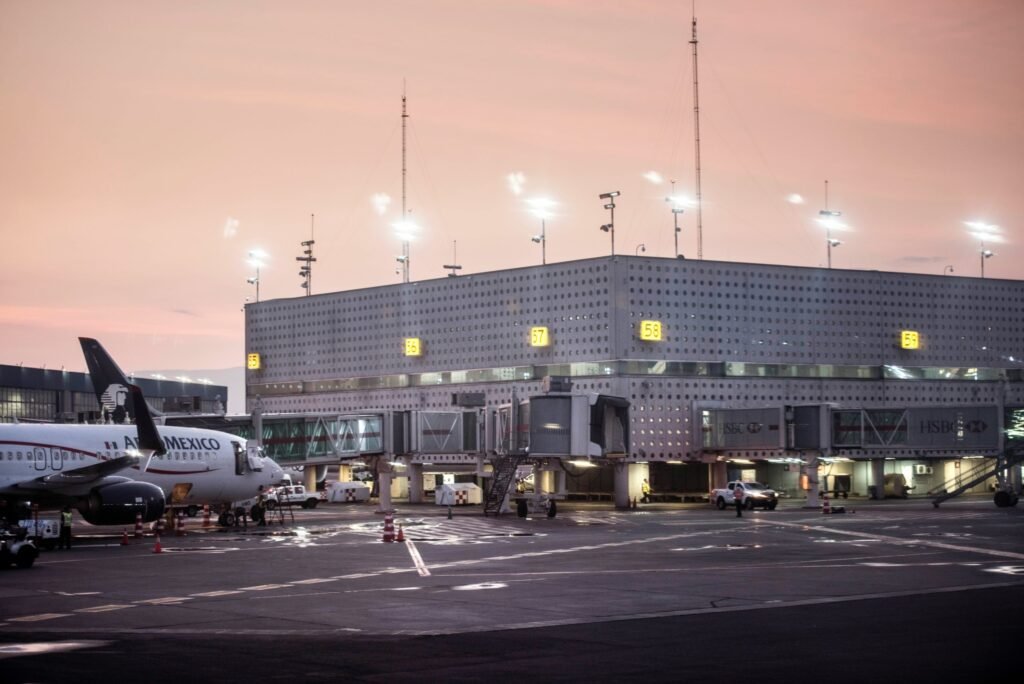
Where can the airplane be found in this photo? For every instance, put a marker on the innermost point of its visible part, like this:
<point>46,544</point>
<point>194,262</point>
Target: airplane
<point>112,472</point>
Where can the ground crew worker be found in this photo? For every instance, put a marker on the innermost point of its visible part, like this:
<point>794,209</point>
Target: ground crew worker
<point>737,495</point>
<point>261,506</point>
<point>645,491</point>
<point>64,541</point>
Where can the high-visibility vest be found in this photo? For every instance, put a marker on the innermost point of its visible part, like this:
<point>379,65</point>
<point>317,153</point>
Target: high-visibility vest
<point>65,519</point>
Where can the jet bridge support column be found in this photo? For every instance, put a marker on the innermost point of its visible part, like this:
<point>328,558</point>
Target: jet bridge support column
<point>309,478</point>
<point>719,475</point>
<point>415,483</point>
<point>621,484</point>
<point>811,471</point>
<point>878,477</point>
<point>384,485</point>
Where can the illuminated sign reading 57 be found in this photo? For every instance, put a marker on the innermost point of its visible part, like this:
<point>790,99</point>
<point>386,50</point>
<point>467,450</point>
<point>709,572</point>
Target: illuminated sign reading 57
<point>650,331</point>
<point>539,336</point>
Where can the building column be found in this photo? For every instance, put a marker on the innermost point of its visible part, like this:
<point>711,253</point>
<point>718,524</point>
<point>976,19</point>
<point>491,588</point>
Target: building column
<point>811,471</point>
<point>538,480</point>
<point>344,473</point>
<point>560,482</point>
<point>719,475</point>
<point>415,483</point>
<point>878,477</point>
<point>309,478</point>
<point>383,485</point>
<point>621,485</point>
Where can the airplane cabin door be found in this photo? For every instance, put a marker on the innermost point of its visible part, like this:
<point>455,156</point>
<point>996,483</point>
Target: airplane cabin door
<point>39,456</point>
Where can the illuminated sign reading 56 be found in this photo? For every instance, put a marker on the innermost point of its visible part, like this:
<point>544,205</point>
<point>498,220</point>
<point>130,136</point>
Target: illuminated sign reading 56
<point>413,346</point>
<point>650,331</point>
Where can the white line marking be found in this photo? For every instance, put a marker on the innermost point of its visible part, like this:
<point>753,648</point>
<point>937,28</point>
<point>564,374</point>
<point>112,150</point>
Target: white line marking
<point>105,609</point>
<point>417,559</point>
<point>214,594</point>
<point>264,587</point>
<point>39,618</point>
<point>898,540</point>
<point>318,580</point>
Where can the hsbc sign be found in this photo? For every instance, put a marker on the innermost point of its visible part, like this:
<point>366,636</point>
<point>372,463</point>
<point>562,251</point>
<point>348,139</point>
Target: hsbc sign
<point>742,428</point>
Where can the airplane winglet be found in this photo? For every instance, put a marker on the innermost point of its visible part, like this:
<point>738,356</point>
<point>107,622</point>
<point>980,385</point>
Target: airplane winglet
<point>149,439</point>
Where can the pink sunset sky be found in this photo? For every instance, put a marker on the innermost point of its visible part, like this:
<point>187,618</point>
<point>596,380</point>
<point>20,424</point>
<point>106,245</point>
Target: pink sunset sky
<point>147,147</point>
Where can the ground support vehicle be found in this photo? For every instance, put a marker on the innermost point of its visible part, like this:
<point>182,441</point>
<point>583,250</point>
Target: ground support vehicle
<point>44,533</point>
<point>17,549</point>
<point>755,495</point>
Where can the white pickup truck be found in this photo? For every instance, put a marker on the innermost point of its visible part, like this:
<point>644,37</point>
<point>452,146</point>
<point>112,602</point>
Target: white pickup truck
<point>295,495</point>
<point>755,494</point>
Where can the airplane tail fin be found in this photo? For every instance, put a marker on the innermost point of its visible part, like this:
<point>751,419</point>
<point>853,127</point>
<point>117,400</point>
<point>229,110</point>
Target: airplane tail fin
<point>108,381</point>
<point>149,439</point>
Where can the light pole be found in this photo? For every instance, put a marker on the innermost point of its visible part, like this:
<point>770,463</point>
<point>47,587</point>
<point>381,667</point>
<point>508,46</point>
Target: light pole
<point>677,209</point>
<point>256,257</point>
<point>610,226</point>
<point>947,270</point>
<point>541,208</point>
<point>985,232</point>
<point>640,248</point>
<point>830,219</point>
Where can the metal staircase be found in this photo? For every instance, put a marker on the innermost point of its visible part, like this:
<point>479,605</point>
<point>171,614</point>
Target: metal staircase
<point>976,475</point>
<point>504,475</point>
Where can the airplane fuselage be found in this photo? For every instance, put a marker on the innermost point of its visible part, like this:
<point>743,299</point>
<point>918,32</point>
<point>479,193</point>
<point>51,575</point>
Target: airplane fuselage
<point>200,466</point>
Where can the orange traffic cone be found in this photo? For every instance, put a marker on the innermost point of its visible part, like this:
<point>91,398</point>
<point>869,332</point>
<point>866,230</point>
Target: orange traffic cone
<point>156,547</point>
<point>825,507</point>
<point>389,528</point>
<point>401,535</point>
<point>124,538</point>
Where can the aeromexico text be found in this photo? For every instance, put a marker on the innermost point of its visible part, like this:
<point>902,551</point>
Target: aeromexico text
<point>173,443</point>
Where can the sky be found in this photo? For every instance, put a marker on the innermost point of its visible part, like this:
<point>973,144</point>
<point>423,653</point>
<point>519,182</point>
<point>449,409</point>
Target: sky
<point>147,147</point>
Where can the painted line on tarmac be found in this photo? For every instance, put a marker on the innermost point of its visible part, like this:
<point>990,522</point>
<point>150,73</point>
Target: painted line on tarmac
<point>417,559</point>
<point>899,540</point>
<point>704,611</point>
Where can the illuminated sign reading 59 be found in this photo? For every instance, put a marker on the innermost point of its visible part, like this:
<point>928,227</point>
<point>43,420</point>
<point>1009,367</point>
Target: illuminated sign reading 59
<point>910,339</point>
<point>650,331</point>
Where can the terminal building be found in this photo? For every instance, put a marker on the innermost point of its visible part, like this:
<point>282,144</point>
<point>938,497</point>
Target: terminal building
<point>807,379</point>
<point>50,395</point>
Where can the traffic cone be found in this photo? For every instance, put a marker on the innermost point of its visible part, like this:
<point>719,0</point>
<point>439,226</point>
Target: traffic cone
<point>206,515</point>
<point>401,535</point>
<point>389,528</point>
<point>124,538</point>
<point>156,547</point>
<point>138,526</point>
<point>180,528</point>
<point>826,509</point>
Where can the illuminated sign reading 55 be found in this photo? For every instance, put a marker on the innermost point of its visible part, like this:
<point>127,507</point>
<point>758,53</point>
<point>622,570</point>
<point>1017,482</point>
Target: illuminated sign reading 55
<point>539,336</point>
<point>413,346</point>
<point>650,331</point>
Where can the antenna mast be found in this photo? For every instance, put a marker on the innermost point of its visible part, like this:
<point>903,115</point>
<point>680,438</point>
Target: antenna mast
<point>405,243</point>
<point>696,135</point>
<point>307,269</point>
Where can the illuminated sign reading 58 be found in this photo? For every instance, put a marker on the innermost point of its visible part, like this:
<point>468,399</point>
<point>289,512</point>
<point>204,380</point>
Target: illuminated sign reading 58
<point>650,331</point>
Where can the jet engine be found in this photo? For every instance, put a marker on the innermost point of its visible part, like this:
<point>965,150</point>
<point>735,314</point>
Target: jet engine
<point>119,503</point>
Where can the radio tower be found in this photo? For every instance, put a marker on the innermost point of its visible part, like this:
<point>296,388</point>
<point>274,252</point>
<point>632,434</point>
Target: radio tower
<point>696,135</point>
<point>307,269</point>
<point>405,243</point>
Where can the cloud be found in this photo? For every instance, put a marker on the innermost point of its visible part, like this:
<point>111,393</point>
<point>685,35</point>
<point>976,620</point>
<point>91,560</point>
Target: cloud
<point>185,312</point>
<point>923,259</point>
<point>230,228</point>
